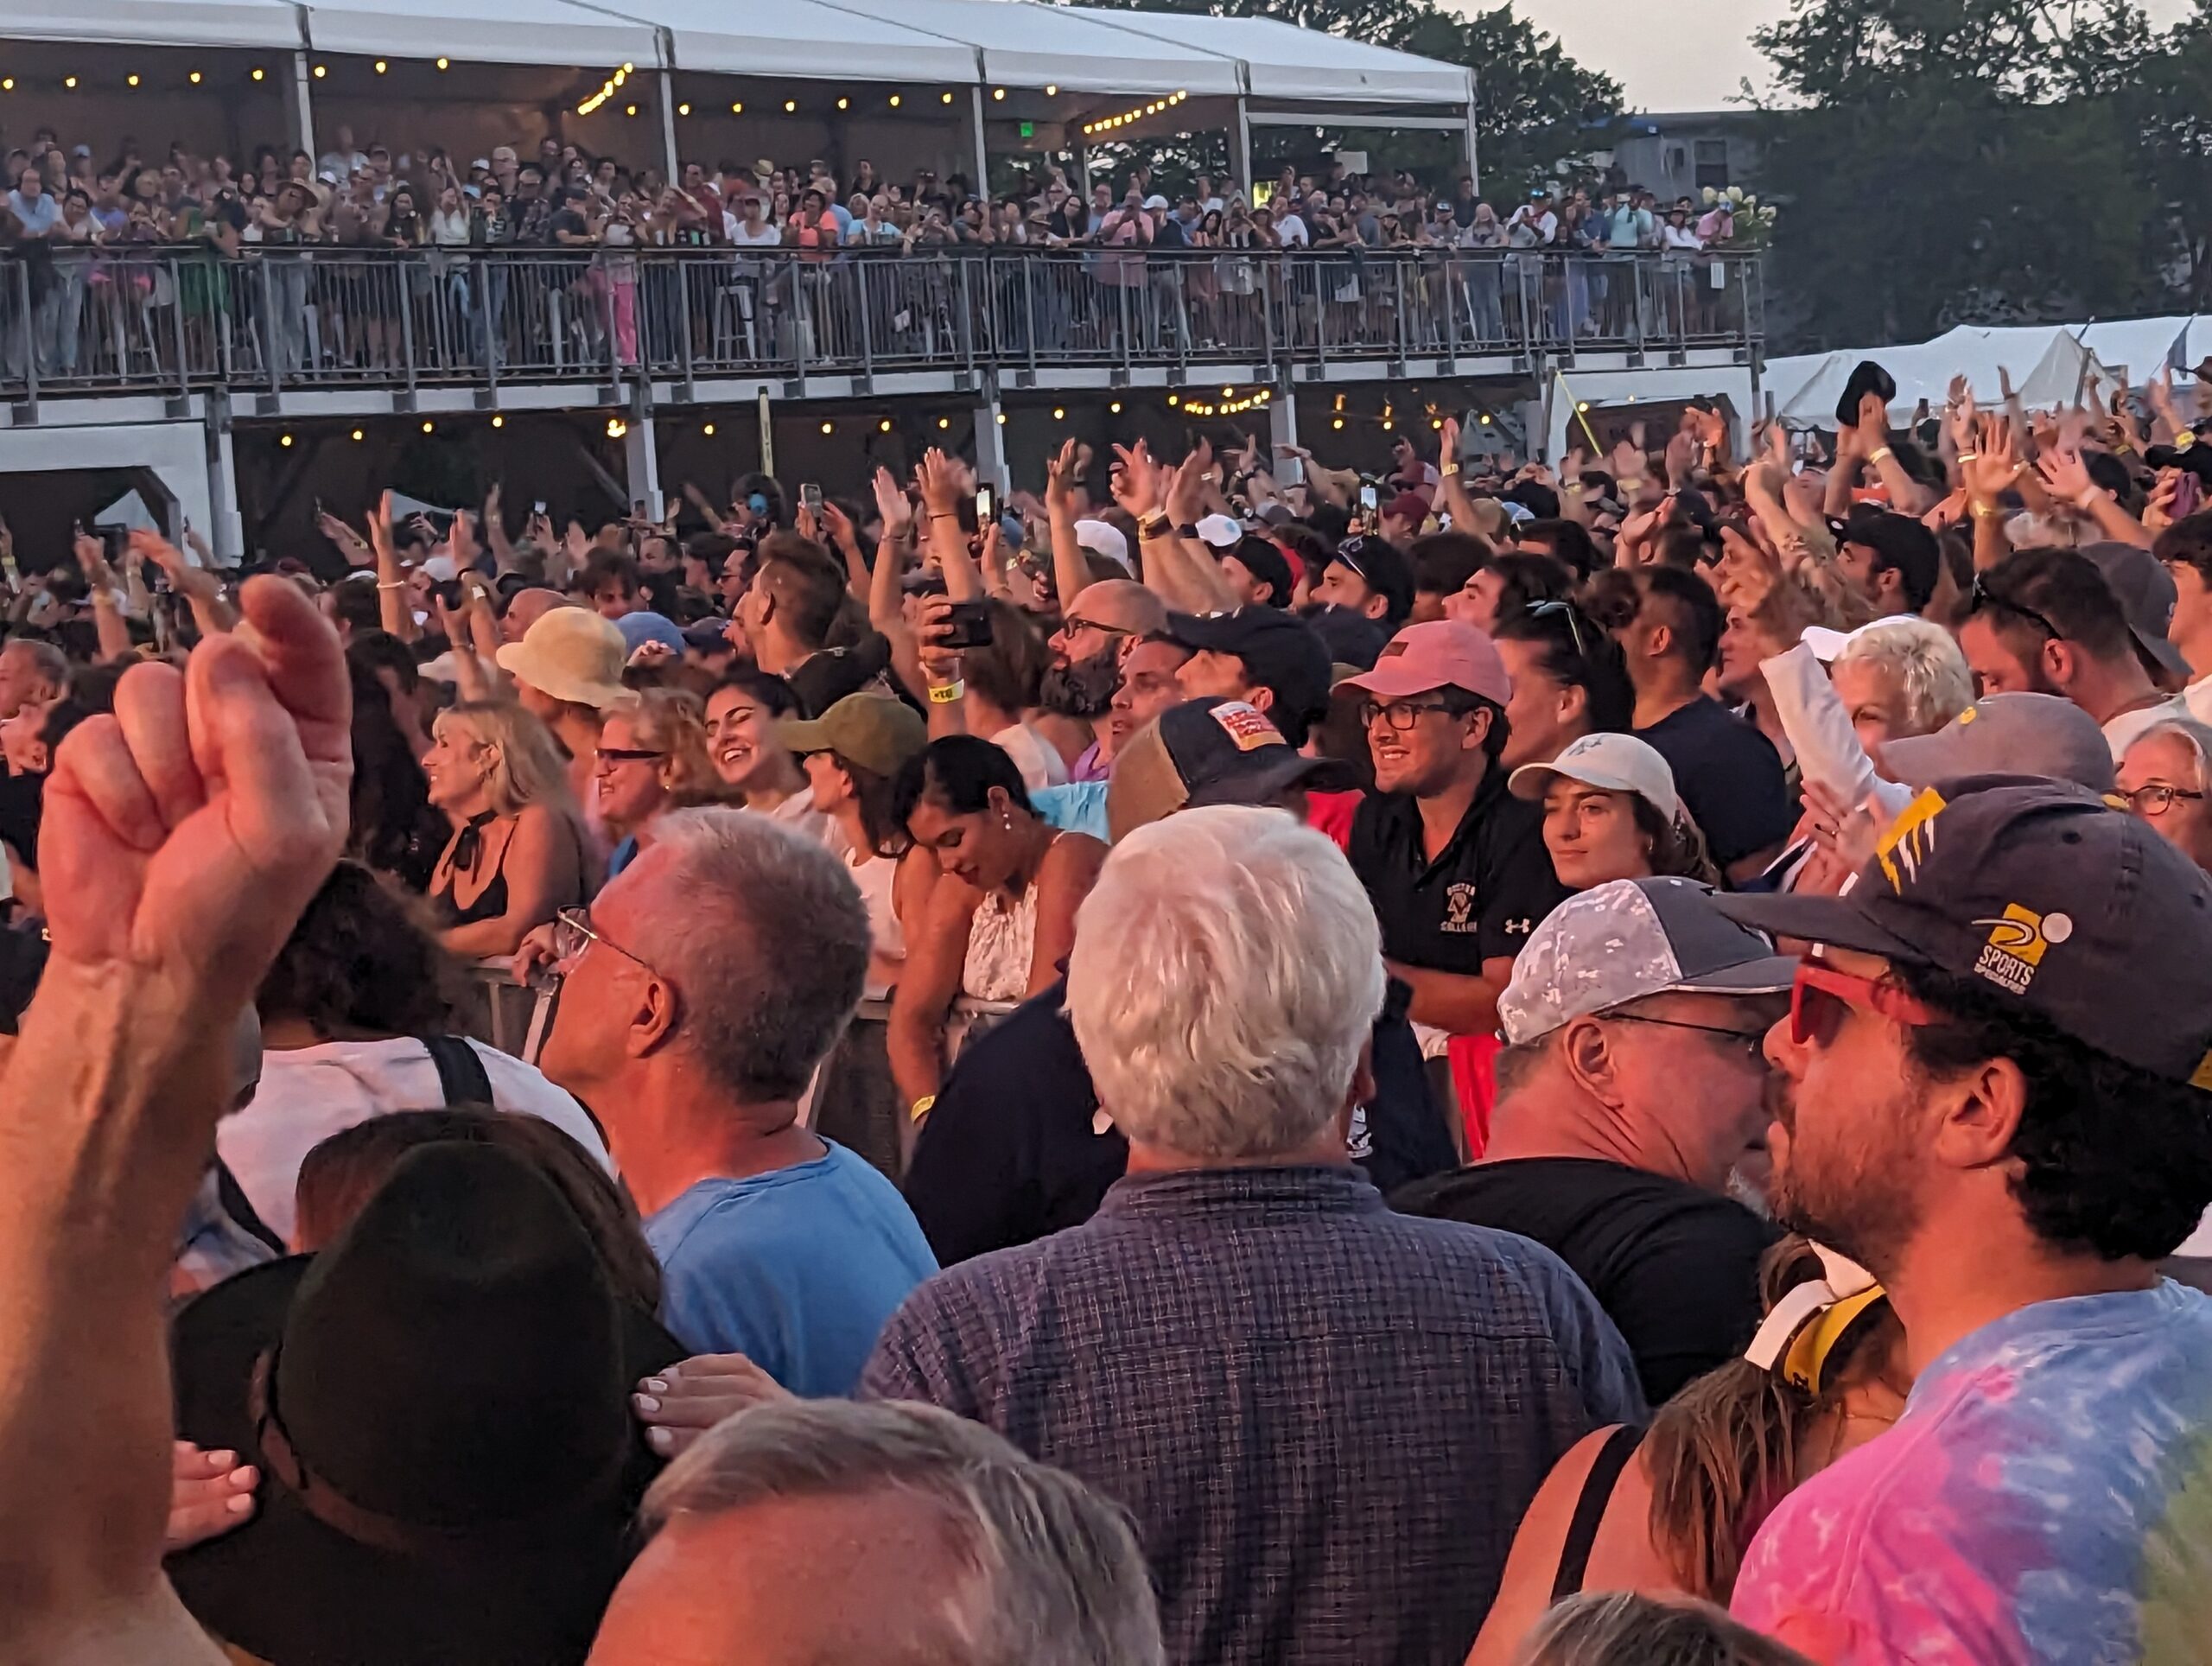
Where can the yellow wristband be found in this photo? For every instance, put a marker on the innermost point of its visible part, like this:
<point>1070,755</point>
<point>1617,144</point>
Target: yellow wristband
<point>1448,469</point>
<point>946,694</point>
<point>921,1107</point>
<point>1878,453</point>
<point>2183,440</point>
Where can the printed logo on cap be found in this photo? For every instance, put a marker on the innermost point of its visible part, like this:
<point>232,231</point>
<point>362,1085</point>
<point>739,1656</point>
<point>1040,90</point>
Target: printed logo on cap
<point>1910,840</point>
<point>2017,940</point>
<point>1247,725</point>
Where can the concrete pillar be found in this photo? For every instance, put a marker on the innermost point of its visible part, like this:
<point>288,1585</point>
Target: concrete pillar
<point>641,463</point>
<point>990,446</point>
<point>225,526</point>
<point>299,105</point>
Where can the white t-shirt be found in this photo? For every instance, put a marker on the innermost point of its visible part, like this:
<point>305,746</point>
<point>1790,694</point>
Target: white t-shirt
<point>1291,232</point>
<point>2198,696</point>
<point>1037,758</point>
<point>767,236</point>
<point>308,1094</point>
<point>2123,731</point>
<point>797,813</point>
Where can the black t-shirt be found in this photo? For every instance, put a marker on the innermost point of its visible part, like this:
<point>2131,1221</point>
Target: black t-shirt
<point>1012,1151</point>
<point>1478,900</point>
<point>1728,773</point>
<point>1674,1267</point>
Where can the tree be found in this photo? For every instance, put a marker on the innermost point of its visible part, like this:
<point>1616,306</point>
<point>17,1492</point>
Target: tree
<point>1959,160</point>
<point>1533,103</point>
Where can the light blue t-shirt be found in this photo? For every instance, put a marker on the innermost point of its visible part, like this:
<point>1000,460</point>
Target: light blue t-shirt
<point>1076,807</point>
<point>797,1269</point>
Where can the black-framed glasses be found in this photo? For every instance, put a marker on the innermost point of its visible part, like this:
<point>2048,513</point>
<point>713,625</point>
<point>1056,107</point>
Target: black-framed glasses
<point>1982,596</point>
<point>1755,1040</point>
<point>628,755</point>
<point>2157,798</point>
<point>1402,717</point>
<point>573,933</point>
<point>1570,611</point>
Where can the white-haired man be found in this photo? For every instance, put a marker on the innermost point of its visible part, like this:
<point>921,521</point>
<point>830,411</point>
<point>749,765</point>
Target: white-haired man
<point>1324,1418</point>
<point>821,1530</point>
<point>707,982</point>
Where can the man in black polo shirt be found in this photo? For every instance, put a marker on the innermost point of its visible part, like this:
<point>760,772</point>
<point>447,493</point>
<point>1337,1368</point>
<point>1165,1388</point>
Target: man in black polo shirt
<point>1456,865</point>
<point>1269,659</point>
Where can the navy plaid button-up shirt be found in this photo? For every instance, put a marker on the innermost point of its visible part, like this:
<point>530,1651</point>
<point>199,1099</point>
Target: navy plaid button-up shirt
<point>1325,1419</point>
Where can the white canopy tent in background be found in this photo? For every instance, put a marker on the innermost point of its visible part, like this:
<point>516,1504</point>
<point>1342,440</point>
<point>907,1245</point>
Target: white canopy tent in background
<point>2049,365</point>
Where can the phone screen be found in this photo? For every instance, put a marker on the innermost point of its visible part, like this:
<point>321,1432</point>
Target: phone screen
<point>1367,497</point>
<point>810,495</point>
<point>985,502</point>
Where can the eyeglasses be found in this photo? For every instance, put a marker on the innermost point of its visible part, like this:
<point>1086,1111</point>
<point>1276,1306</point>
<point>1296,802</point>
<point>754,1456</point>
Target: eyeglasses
<point>1403,716</point>
<point>572,934</point>
<point>1545,609</point>
<point>2156,800</point>
<point>1819,994</point>
<point>1752,1040</point>
<point>1982,596</point>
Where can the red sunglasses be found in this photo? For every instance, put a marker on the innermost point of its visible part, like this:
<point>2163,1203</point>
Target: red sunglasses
<point>1819,994</point>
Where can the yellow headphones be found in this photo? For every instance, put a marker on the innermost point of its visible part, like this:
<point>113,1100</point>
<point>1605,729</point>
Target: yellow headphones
<point>1812,1318</point>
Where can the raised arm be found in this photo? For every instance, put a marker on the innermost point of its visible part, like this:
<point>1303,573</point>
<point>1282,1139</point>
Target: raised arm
<point>1071,572</point>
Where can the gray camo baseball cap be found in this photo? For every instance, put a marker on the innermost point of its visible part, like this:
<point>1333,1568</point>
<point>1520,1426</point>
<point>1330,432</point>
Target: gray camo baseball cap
<point>1629,938</point>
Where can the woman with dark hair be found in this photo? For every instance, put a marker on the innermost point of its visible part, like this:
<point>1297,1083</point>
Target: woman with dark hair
<point>1000,920</point>
<point>1672,1508</point>
<point>1569,680</point>
<point>756,769</point>
<point>395,830</point>
<point>1612,812</point>
<point>356,1020</point>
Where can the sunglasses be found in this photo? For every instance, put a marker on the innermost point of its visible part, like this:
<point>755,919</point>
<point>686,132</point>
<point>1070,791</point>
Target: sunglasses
<point>1820,995</point>
<point>1982,596</point>
<point>1573,615</point>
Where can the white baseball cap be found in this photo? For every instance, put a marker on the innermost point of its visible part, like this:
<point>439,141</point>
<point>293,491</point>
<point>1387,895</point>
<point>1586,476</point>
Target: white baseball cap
<point>1219,532</point>
<point>1613,763</point>
<point>1102,538</point>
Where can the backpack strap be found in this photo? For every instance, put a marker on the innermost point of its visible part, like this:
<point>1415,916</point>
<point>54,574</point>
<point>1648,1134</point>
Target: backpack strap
<point>461,1077</point>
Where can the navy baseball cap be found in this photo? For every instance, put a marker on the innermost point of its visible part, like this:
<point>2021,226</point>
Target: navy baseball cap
<point>2077,912</point>
<point>1279,652</point>
<point>1211,752</point>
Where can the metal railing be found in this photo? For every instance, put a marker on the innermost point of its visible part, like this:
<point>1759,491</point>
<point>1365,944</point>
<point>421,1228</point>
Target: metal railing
<point>161,319</point>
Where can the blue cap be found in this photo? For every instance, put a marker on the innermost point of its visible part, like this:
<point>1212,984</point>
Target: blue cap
<point>637,629</point>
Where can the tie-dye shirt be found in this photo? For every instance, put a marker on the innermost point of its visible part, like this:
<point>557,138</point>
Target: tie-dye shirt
<point>2046,1498</point>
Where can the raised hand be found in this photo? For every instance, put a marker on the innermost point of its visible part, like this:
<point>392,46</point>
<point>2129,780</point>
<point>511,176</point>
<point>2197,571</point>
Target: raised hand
<point>1059,482</point>
<point>184,834</point>
<point>1139,483</point>
<point>2158,507</point>
<point>938,482</point>
<point>1994,464</point>
<point>891,504</point>
<point>839,526</point>
<point>2065,474</point>
<point>351,544</point>
<point>1187,486</point>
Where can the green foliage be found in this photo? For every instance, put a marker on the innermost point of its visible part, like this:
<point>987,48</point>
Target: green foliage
<point>1533,103</point>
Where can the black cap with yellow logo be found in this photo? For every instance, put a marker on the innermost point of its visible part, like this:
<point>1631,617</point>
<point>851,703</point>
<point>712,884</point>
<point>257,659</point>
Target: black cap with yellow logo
<point>2045,894</point>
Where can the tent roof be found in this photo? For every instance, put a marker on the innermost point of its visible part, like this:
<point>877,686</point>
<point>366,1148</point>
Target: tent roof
<point>265,24</point>
<point>794,38</point>
<point>1018,43</point>
<point>1285,62</point>
<point>2047,363</point>
<point>542,32</point>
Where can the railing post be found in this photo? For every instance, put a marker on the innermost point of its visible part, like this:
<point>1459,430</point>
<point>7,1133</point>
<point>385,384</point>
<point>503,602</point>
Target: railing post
<point>403,271</point>
<point>177,316</point>
<point>966,326</point>
<point>1398,302</point>
<point>865,307</point>
<point>682,269</point>
<point>269,324</point>
<point>802,317</point>
<point>489,324</point>
<point>1121,306</point>
<point>23,283</point>
<point>1029,308</point>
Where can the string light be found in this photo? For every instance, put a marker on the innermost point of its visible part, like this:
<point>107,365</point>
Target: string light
<point>948,97</point>
<point>844,104</point>
<point>357,433</point>
<point>1483,419</point>
<point>1051,91</point>
<point>708,430</point>
<point>320,70</point>
<point>130,80</point>
<point>885,425</point>
<point>381,66</point>
<point>1001,419</point>
<point>443,63</point>
<point>999,93</point>
<point>790,106</point>
<point>1335,421</point>
<point>737,109</point>
<point>429,428</point>
<point>1115,407</point>
<point>1171,399</point>
<point>683,110</point>
<point>1229,406</point>
<point>945,422</point>
<point>69,81</point>
<point>829,428</point>
<point>616,428</point>
<point>195,77</point>
<point>629,110</point>
<point>498,422</point>
<point>895,101</point>
<point>258,73</point>
<point>1060,414</point>
<point>1108,124</point>
<point>284,439</point>
<point>1581,404</point>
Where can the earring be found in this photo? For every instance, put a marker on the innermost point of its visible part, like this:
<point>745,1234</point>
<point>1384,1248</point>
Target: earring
<point>1006,820</point>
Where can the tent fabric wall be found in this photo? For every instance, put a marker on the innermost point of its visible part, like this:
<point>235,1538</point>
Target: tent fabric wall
<point>2049,365</point>
<point>250,24</point>
<point>787,38</point>
<point>537,32</point>
<point>1284,61</point>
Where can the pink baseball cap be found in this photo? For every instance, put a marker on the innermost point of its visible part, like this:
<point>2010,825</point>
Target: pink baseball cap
<point>1441,654</point>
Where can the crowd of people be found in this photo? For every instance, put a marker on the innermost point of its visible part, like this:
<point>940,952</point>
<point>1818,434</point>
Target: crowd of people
<point>592,216</point>
<point>1223,1060</point>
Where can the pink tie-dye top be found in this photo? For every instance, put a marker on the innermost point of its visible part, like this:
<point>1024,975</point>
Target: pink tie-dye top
<point>2045,1498</point>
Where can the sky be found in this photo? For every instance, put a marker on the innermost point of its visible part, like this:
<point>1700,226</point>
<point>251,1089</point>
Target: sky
<point>1675,55</point>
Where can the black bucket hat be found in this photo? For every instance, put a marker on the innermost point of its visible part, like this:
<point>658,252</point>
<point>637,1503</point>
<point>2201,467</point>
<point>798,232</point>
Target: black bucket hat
<point>438,1403</point>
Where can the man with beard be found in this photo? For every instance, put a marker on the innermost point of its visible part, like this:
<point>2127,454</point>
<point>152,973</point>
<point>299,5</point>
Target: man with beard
<point>1096,631</point>
<point>1995,1059</point>
<point>1631,1093</point>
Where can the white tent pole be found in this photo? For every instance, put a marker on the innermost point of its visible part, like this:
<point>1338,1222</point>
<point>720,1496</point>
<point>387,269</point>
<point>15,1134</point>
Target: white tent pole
<point>982,151</point>
<point>299,103</point>
<point>1243,157</point>
<point>668,128</point>
<point>1474,155</point>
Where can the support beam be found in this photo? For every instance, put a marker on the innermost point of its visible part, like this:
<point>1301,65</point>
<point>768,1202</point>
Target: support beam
<point>1340,118</point>
<point>1241,160</point>
<point>990,445</point>
<point>225,527</point>
<point>1474,148</point>
<point>299,105</point>
<point>641,463</point>
<point>1282,429</point>
<point>983,186</point>
<point>675,162</point>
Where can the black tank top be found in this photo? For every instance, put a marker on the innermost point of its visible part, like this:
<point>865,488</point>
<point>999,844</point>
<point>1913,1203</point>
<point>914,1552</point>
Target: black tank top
<point>1590,1508</point>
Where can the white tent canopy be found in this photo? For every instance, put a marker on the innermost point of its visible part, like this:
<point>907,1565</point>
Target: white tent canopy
<point>2048,364</point>
<point>1016,43</point>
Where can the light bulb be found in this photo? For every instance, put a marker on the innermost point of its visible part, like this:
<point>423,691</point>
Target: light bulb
<point>844,104</point>
<point>737,109</point>
<point>132,80</point>
<point>998,92</point>
<point>1051,91</point>
<point>320,70</point>
<point>829,428</point>
<point>258,73</point>
<point>1060,414</point>
<point>381,67</point>
<point>790,104</point>
<point>885,425</point>
<point>357,433</point>
<point>498,422</point>
<point>69,81</point>
<point>945,422</point>
<point>1115,407</point>
<point>429,428</point>
<point>708,430</point>
<point>948,97</point>
<point>443,63</point>
<point>895,101</point>
<point>284,440</point>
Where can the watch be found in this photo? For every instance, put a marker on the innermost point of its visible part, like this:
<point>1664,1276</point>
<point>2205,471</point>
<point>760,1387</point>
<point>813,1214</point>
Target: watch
<point>1153,526</point>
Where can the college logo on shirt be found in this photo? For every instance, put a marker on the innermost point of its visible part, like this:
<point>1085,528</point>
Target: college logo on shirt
<point>1458,907</point>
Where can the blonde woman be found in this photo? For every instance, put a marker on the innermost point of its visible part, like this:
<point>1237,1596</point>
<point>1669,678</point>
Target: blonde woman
<point>651,758</point>
<point>519,853</point>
